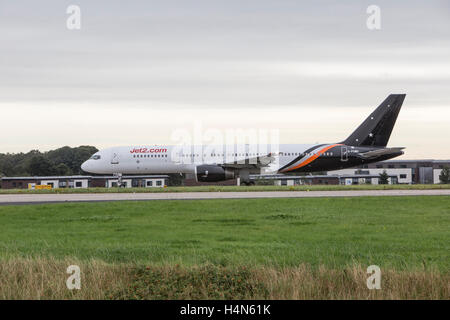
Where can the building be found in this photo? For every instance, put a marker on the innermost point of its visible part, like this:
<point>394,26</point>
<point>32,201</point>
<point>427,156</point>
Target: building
<point>191,181</point>
<point>398,171</point>
<point>343,179</point>
<point>146,181</point>
<point>406,171</point>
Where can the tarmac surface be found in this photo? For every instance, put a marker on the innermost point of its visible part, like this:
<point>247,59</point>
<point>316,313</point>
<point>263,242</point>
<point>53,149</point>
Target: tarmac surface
<point>10,199</point>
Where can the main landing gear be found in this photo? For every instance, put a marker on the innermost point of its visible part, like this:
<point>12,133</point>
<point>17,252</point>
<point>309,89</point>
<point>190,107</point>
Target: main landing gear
<point>244,178</point>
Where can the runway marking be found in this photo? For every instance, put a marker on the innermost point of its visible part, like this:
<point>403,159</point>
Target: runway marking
<point>97,197</point>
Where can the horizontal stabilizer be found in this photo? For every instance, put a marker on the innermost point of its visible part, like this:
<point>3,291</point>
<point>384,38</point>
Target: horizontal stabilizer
<point>380,152</point>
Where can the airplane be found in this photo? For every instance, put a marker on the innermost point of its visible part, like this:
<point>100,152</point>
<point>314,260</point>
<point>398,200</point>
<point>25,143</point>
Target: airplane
<point>214,163</point>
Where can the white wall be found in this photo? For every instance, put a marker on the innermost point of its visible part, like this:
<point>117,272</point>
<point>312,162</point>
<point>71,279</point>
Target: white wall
<point>376,171</point>
<point>84,183</point>
<point>154,185</point>
<point>110,182</point>
<point>46,182</point>
<point>436,174</point>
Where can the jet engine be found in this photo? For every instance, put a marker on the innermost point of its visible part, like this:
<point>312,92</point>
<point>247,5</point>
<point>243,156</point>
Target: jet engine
<point>213,173</point>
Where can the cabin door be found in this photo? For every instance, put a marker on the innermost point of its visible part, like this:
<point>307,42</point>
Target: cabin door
<point>115,158</point>
<point>344,154</point>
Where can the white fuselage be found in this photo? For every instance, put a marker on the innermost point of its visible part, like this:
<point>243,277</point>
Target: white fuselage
<point>184,159</point>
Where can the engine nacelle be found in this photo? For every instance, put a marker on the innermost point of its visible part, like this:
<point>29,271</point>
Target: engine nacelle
<point>213,173</point>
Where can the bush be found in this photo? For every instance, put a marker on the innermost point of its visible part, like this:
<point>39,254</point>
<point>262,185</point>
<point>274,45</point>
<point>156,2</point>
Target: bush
<point>203,282</point>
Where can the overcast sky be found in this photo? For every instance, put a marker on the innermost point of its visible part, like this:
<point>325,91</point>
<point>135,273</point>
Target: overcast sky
<point>138,70</point>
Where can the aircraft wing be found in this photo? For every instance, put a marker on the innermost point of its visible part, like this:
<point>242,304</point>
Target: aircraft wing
<point>254,162</point>
<point>379,152</point>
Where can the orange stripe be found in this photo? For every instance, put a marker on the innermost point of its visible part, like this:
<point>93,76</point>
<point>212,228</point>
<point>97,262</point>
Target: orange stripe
<point>312,158</point>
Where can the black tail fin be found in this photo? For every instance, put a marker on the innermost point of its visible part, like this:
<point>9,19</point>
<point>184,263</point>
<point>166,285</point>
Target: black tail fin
<point>377,128</point>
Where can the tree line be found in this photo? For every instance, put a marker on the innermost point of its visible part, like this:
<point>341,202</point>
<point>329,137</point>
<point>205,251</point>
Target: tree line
<point>61,161</point>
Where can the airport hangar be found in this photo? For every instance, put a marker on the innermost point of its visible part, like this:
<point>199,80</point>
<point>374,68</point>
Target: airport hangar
<point>398,171</point>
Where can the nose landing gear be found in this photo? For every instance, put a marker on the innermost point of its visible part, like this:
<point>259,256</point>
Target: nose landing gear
<point>120,183</point>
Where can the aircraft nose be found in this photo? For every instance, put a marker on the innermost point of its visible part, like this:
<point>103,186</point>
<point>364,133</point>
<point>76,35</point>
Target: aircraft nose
<point>85,166</point>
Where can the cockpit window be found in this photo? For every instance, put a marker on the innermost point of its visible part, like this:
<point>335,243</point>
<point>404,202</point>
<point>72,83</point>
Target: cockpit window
<point>95,157</point>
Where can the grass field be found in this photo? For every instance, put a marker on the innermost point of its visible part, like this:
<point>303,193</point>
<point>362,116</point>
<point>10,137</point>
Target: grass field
<point>235,188</point>
<point>156,249</point>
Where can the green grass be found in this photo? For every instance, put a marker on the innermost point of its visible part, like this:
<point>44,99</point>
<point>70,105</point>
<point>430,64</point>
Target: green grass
<point>235,188</point>
<point>402,233</point>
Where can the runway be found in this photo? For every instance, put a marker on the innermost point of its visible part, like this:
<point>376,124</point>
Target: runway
<point>10,199</point>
